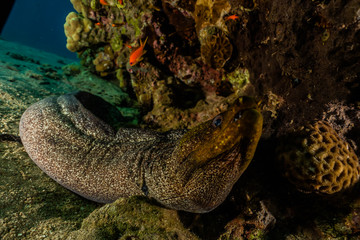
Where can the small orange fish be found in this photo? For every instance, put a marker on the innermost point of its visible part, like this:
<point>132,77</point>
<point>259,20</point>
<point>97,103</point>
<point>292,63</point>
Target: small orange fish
<point>121,2</point>
<point>117,24</point>
<point>103,2</point>
<point>232,17</point>
<point>99,24</point>
<point>136,55</point>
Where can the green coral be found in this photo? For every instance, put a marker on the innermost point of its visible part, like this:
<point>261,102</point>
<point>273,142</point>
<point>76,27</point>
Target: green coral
<point>116,42</point>
<point>238,79</point>
<point>135,23</point>
<point>258,234</point>
<point>94,4</point>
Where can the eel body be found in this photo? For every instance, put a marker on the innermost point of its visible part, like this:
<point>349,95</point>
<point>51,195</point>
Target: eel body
<point>184,170</point>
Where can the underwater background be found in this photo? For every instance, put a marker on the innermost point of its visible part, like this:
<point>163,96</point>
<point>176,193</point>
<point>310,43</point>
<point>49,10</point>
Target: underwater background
<point>300,60</point>
<point>39,24</point>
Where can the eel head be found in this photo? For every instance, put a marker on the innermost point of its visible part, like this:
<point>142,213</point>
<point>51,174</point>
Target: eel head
<point>211,157</point>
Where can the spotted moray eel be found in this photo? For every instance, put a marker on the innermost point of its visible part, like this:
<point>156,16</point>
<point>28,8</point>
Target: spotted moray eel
<point>184,170</point>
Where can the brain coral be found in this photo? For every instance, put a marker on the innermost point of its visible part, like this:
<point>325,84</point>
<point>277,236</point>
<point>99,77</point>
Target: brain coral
<point>318,160</point>
<point>216,48</point>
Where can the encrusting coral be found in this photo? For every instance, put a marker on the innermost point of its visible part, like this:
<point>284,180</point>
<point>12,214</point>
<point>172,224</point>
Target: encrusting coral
<point>104,61</point>
<point>319,161</point>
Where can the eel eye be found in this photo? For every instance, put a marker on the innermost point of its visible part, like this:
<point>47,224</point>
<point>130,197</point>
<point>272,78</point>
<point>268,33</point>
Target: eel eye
<point>217,121</point>
<point>238,115</point>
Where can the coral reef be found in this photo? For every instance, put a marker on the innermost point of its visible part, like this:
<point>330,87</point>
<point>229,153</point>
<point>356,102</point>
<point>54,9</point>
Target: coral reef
<point>194,44</point>
<point>100,34</point>
<point>319,161</point>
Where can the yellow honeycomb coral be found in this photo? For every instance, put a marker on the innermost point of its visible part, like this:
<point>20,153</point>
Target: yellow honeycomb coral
<point>216,48</point>
<point>211,13</point>
<point>319,161</point>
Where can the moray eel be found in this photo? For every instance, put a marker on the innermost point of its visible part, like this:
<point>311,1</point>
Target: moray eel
<point>190,170</point>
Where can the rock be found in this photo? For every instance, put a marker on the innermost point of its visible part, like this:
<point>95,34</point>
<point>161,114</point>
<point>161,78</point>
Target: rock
<point>132,218</point>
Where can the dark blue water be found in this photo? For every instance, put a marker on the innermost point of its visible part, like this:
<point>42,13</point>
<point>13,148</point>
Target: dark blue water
<point>39,24</point>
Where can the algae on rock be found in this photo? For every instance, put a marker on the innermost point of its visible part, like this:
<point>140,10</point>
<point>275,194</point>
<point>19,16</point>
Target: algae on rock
<point>132,218</point>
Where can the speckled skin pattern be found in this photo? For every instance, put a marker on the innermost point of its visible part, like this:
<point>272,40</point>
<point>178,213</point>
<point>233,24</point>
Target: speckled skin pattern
<point>192,171</point>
